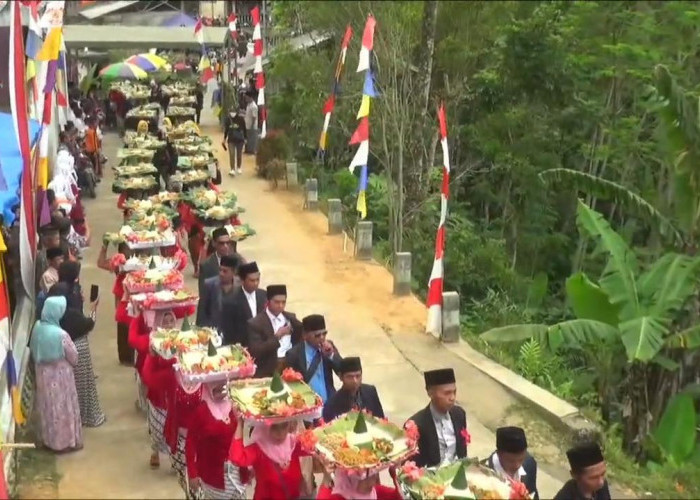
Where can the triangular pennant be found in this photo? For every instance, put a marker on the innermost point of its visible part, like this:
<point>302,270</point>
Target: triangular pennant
<point>52,45</point>
<point>361,133</point>
<point>361,156</point>
<point>329,105</point>
<point>368,34</point>
<point>364,107</point>
<point>368,88</point>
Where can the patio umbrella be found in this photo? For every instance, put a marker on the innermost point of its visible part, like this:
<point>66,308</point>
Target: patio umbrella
<point>147,62</point>
<point>123,70</point>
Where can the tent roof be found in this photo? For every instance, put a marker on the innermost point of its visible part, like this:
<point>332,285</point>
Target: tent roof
<point>103,8</point>
<point>135,37</point>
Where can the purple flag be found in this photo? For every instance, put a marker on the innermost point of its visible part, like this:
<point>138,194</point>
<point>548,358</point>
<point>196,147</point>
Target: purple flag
<point>44,211</point>
<point>51,77</point>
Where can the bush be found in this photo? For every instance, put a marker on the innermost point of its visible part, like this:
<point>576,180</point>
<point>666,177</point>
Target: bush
<point>275,146</point>
<point>276,169</point>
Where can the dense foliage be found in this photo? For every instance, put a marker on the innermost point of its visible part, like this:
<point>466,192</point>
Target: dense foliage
<point>575,144</point>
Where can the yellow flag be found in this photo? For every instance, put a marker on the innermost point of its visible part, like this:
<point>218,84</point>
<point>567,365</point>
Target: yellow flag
<point>43,173</point>
<point>362,204</point>
<point>3,248</point>
<point>52,45</point>
<point>364,107</point>
<point>31,69</point>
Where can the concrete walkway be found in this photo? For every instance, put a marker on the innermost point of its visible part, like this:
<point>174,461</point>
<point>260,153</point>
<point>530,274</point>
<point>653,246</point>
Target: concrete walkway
<point>362,316</point>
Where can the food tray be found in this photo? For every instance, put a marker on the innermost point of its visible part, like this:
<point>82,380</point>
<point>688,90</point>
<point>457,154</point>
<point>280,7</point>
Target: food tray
<point>244,368</point>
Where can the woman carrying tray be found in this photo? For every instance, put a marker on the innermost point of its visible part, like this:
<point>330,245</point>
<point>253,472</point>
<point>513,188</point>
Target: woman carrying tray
<point>274,456</point>
<point>347,486</point>
<point>209,436</point>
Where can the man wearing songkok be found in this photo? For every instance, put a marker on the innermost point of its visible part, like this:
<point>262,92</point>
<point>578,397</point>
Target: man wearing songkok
<point>216,301</point>
<point>210,267</point>
<point>272,332</point>
<point>54,257</point>
<point>353,394</point>
<point>587,474</point>
<point>249,301</point>
<point>512,460</point>
<point>442,424</point>
<point>315,358</point>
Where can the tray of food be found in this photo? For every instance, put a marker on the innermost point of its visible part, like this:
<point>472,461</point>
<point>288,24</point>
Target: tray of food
<point>462,479</point>
<point>180,111</point>
<point>184,129</point>
<point>165,299</point>
<point>217,215</point>
<point>138,153</point>
<point>190,176</point>
<point>149,238</point>
<point>182,100</point>
<point>193,149</point>
<point>277,399</point>
<point>169,342</point>
<point>112,238</point>
<point>153,220</point>
<point>134,183</point>
<point>237,232</point>
<point>145,262</point>
<point>196,161</point>
<point>214,365</point>
<point>139,169</point>
<point>203,198</point>
<point>192,140</point>
<point>152,280</point>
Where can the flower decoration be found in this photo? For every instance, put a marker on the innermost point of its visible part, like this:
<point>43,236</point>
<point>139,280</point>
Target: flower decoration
<point>412,433</point>
<point>466,436</point>
<point>289,375</point>
<point>412,471</point>
<point>518,491</point>
<point>308,440</point>
<point>117,260</point>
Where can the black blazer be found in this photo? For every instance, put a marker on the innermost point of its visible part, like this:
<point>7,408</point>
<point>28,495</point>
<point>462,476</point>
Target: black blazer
<point>530,479</point>
<point>262,343</point>
<point>428,445</point>
<point>340,403</point>
<point>240,314</point>
<point>570,491</point>
<point>296,359</point>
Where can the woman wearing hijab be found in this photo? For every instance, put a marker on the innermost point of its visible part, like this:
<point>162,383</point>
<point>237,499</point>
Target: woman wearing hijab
<point>348,486</point>
<point>207,444</point>
<point>57,400</point>
<point>274,456</point>
<point>78,326</point>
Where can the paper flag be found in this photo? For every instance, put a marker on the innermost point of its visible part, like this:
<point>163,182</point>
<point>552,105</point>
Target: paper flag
<point>364,107</point>
<point>258,48</point>
<point>367,44</point>
<point>361,133</point>
<point>260,81</point>
<point>258,65</point>
<point>329,105</point>
<point>261,96</point>
<point>368,88</point>
<point>51,77</point>
<point>257,33</point>
<point>49,50</point>
<point>360,156</point>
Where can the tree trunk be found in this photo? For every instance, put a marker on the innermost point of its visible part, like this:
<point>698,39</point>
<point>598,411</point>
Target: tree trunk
<point>430,9</point>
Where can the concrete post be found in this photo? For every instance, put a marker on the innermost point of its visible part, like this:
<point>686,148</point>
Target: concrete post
<point>311,194</point>
<point>335,216</point>
<point>402,273</point>
<point>363,240</point>
<point>292,175</point>
<point>450,317</point>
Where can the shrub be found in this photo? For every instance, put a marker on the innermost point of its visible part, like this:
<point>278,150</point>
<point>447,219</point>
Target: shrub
<point>276,169</point>
<point>274,146</point>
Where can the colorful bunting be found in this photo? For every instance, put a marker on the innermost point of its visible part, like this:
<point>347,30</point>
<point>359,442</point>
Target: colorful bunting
<point>330,102</point>
<point>361,135</point>
<point>435,287</point>
<point>258,70</point>
<point>199,31</point>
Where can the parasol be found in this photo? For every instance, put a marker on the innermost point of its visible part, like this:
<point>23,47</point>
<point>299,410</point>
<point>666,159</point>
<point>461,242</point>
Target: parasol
<point>147,62</point>
<point>123,70</point>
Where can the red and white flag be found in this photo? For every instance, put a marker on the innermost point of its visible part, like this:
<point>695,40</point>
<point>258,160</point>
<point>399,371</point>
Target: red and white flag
<point>20,116</point>
<point>435,287</point>
<point>232,26</point>
<point>367,44</point>
<point>199,31</point>
<point>258,69</point>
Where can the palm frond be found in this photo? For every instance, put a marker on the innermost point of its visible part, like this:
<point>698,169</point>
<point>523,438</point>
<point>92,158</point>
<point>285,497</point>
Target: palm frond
<point>668,283</point>
<point>609,190</point>
<point>643,337</point>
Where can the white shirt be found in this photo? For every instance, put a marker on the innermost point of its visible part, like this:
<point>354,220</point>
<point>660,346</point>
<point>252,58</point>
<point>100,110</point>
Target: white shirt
<point>499,468</point>
<point>253,303</point>
<point>446,436</point>
<point>278,322</point>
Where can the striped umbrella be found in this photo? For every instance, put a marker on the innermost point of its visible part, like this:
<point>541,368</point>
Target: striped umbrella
<point>123,70</point>
<point>147,62</point>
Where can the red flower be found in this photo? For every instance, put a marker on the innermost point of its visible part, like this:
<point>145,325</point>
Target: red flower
<point>412,471</point>
<point>308,440</point>
<point>117,260</point>
<point>518,491</point>
<point>411,432</point>
<point>289,375</point>
<point>467,437</point>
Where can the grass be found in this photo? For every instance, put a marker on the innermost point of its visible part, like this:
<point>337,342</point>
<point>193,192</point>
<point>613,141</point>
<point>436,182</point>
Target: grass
<point>36,474</point>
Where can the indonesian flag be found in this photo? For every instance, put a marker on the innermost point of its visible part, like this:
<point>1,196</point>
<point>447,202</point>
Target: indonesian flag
<point>435,287</point>
<point>367,44</point>
<point>199,31</point>
<point>257,31</point>
<point>232,26</point>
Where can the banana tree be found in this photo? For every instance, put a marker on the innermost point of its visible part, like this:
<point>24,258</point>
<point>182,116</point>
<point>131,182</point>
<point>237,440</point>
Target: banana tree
<point>629,308</point>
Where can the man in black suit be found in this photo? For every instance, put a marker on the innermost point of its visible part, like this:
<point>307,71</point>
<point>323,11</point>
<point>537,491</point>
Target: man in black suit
<point>249,301</point>
<point>315,358</point>
<point>442,424</point>
<point>353,395</point>
<point>272,333</point>
<point>217,299</point>
<point>512,460</point>
<point>588,472</point>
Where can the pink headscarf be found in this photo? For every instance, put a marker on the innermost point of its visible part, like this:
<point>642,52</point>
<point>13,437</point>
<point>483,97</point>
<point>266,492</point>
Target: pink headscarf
<point>220,409</point>
<point>279,453</point>
<point>345,485</point>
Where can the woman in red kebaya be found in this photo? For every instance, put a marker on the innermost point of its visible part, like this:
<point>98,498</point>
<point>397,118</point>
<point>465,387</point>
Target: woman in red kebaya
<point>348,486</point>
<point>156,375</point>
<point>274,456</point>
<point>206,448</point>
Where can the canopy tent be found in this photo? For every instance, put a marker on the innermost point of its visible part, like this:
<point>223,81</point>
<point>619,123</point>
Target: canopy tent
<point>179,19</point>
<point>11,163</point>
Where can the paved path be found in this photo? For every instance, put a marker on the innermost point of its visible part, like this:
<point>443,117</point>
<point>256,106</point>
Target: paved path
<point>362,316</point>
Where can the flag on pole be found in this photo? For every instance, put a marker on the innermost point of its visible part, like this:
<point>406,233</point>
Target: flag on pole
<point>435,287</point>
<point>199,31</point>
<point>232,28</point>
<point>330,102</point>
<point>13,387</point>
<point>18,103</point>
<point>367,44</point>
<point>258,70</point>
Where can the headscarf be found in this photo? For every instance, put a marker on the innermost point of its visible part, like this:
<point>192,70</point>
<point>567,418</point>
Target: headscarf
<point>68,273</point>
<point>73,322</point>
<point>220,409</point>
<point>46,343</point>
<point>280,453</point>
<point>142,127</point>
<point>345,485</point>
